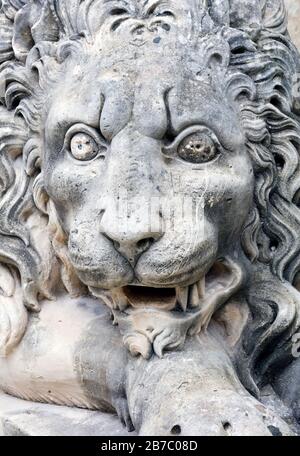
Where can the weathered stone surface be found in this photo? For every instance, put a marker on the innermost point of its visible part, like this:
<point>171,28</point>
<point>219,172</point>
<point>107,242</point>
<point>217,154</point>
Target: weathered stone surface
<point>22,418</point>
<point>201,381</point>
<point>149,214</point>
<point>293,7</point>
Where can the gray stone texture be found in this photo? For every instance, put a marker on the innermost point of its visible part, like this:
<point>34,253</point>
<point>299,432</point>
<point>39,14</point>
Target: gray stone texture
<point>293,7</point>
<point>22,418</point>
<point>149,217</point>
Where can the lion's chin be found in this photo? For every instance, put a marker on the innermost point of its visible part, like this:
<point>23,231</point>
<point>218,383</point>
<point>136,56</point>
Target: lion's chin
<point>153,320</point>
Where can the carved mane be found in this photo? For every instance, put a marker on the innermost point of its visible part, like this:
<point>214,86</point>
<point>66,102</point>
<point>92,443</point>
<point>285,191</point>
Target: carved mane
<point>265,61</point>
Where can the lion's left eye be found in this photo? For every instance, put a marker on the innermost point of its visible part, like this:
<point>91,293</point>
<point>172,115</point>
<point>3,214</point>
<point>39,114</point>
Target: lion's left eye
<point>197,144</point>
<point>198,147</point>
<point>83,147</point>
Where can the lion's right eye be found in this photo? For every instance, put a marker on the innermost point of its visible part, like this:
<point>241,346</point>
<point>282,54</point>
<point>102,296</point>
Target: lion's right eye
<point>83,147</point>
<point>85,143</point>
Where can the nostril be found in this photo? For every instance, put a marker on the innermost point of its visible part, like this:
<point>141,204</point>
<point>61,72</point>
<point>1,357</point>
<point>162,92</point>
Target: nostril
<point>144,244</point>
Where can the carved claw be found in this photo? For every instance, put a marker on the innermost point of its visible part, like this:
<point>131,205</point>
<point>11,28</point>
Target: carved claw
<point>121,406</point>
<point>138,344</point>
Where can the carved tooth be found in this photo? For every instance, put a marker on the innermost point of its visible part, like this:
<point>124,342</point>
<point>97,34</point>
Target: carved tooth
<point>194,296</point>
<point>120,300</point>
<point>103,295</point>
<point>182,294</point>
<point>201,287</point>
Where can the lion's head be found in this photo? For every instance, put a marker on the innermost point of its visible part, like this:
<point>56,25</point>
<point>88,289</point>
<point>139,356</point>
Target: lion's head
<point>160,166</point>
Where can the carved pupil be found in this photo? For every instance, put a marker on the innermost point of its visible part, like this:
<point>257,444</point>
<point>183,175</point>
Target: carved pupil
<point>197,148</point>
<point>83,147</point>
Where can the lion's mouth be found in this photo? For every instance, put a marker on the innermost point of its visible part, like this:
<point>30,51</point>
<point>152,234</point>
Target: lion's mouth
<point>163,298</point>
<point>177,298</point>
<point>181,299</point>
<point>153,319</point>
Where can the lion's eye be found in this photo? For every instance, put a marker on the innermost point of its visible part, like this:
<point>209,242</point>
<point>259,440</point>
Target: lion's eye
<point>83,147</point>
<point>85,143</point>
<point>198,147</point>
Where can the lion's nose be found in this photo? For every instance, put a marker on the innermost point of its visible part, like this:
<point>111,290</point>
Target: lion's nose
<point>132,246</point>
<point>130,235</point>
<point>132,230</point>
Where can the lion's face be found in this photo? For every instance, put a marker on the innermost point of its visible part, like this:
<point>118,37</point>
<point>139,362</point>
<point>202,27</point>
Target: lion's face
<point>165,138</point>
<point>148,170</point>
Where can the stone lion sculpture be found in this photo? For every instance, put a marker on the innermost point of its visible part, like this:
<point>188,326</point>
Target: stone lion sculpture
<point>149,211</point>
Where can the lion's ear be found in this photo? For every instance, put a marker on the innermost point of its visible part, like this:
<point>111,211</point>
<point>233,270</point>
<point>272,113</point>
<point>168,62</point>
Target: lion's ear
<point>237,14</point>
<point>246,15</point>
<point>219,11</point>
<point>33,23</point>
<point>249,16</point>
